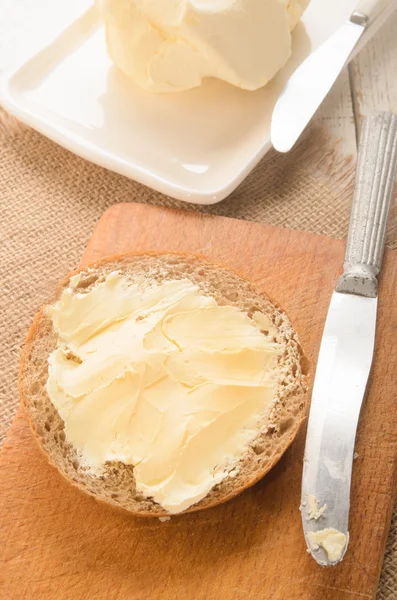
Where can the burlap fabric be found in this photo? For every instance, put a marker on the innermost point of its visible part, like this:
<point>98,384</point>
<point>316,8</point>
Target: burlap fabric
<point>50,201</point>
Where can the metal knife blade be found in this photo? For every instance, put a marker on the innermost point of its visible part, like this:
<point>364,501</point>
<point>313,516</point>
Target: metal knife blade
<point>341,377</point>
<point>311,82</point>
<point>347,348</point>
<point>309,85</point>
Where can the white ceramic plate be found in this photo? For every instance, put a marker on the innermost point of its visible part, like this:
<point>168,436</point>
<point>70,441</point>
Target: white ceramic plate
<point>195,146</point>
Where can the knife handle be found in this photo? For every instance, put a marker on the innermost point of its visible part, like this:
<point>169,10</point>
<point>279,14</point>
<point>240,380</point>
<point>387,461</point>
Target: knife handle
<point>366,11</point>
<point>376,169</point>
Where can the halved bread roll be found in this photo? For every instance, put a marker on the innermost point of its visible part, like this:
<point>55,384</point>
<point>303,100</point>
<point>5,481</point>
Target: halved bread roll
<point>196,364</point>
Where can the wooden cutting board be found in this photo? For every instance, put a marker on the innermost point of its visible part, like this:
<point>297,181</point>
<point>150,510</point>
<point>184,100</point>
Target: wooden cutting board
<point>58,544</point>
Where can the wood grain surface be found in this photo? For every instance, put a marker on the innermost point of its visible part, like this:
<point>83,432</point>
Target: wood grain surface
<point>57,543</point>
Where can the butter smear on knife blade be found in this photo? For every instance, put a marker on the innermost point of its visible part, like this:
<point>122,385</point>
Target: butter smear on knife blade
<point>332,540</point>
<point>172,45</point>
<point>313,510</point>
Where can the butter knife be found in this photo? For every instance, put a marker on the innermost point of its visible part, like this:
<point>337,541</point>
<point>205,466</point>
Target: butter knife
<point>346,349</point>
<point>313,79</point>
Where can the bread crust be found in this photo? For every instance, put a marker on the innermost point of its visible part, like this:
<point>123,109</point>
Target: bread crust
<point>278,436</point>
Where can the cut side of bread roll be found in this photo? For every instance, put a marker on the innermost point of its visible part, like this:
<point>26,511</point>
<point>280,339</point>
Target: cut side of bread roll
<point>53,382</point>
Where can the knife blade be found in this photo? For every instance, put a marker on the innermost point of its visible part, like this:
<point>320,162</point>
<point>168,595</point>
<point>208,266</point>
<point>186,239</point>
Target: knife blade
<point>347,348</point>
<point>312,80</point>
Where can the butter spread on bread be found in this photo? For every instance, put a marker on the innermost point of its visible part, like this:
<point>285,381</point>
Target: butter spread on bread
<point>163,378</point>
<point>143,356</point>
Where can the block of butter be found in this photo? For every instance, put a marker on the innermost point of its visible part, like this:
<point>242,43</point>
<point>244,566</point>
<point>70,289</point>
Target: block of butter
<point>172,45</point>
